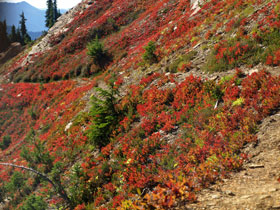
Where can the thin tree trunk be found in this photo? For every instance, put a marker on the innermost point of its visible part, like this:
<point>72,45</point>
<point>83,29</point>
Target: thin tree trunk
<point>58,188</point>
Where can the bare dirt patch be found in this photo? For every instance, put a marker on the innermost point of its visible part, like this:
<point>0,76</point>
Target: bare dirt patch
<point>255,187</point>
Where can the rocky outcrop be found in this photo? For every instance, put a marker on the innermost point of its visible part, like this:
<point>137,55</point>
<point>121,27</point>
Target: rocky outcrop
<point>58,28</point>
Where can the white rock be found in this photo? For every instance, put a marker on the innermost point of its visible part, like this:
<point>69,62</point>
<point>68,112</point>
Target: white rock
<point>253,71</point>
<point>195,5</point>
<point>68,126</point>
<point>216,196</point>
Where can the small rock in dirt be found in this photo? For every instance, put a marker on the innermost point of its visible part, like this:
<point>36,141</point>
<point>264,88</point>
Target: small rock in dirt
<point>216,196</point>
<point>211,204</point>
<point>272,189</point>
<point>228,192</point>
<point>272,120</point>
<point>245,196</point>
<point>214,78</point>
<point>265,197</point>
<point>275,207</point>
<point>256,166</point>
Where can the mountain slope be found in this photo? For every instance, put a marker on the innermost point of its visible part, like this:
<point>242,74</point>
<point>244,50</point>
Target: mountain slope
<point>183,91</point>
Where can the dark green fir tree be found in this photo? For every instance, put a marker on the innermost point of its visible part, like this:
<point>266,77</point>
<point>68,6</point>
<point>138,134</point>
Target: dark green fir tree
<point>51,13</point>
<point>25,38</point>
<point>5,42</point>
<point>13,35</point>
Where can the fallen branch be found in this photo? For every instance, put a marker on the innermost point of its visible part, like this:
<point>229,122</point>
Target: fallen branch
<point>58,188</point>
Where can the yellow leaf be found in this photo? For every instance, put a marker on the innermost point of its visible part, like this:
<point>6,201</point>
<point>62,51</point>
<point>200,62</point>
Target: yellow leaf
<point>139,191</point>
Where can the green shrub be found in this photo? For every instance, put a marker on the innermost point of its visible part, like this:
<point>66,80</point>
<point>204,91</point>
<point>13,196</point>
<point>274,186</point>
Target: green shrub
<point>271,43</point>
<point>16,182</point>
<point>5,142</point>
<point>232,53</point>
<point>34,202</point>
<point>32,113</point>
<point>226,79</point>
<point>96,51</point>
<point>240,51</point>
<point>149,55</point>
<point>39,155</point>
<point>168,162</point>
<point>184,59</point>
<point>77,188</point>
<point>45,129</point>
<point>214,90</point>
<point>104,117</point>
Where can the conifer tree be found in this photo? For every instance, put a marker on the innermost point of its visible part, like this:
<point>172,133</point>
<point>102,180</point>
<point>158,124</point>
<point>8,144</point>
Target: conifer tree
<point>5,27</point>
<point>55,10</point>
<point>13,36</point>
<point>149,55</point>
<point>22,21</point>
<point>25,38</point>
<point>98,53</point>
<point>19,38</point>
<point>51,13</point>
<point>5,42</point>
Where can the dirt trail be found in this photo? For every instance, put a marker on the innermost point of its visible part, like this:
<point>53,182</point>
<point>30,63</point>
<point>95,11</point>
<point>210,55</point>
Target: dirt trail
<point>255,187</point>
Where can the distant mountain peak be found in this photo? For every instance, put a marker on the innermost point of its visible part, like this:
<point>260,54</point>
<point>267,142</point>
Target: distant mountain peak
<point>10,12</point>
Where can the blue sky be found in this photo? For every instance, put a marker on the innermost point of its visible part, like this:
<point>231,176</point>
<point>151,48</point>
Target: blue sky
<point>62,4</point>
